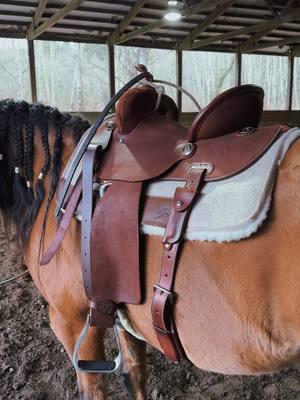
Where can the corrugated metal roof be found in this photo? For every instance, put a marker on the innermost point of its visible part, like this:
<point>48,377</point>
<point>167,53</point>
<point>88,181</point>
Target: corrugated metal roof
<point>95,21</point>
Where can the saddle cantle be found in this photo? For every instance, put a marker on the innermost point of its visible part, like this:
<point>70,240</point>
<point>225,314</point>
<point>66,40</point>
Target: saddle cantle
<point>142,147</point>
<point>232,110</point>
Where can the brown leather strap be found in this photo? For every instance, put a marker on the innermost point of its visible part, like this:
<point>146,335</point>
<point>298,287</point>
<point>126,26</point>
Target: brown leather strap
<point>97,316</point>
<point>163,298</point>
<point>63,226</point>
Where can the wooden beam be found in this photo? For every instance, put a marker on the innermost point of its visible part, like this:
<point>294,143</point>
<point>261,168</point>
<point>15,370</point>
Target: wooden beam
<point>239,68</point>
<point>210,19</point>
<point>249,44</point>
<point>179,79</point>
<point>111,70</point>
<point>295,51</point>
<point>279,43</point>
<point>115,36</point>
<point>203,6</point>
<point>37,16</point>
<point>32,70</point>
<point>231,34</point>
<point>261,26</point>
<point>271,7</point>
<point>72,5</point>
<point>288,6</point>
<point>291,80</point>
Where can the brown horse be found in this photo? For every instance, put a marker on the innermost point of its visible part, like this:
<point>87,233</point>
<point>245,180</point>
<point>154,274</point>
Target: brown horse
<point>237,303</point>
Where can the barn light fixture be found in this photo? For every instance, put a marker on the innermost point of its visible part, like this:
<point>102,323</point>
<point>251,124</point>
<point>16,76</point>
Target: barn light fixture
<point>173,12</point>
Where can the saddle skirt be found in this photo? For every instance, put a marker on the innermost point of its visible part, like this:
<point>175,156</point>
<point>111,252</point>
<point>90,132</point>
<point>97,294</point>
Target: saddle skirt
<point>246,198</point>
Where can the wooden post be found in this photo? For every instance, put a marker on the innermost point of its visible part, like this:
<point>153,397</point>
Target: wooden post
<point>291,80</point>
<point>30,44</point>
<point>239,68</point>
<point>179,78</point>
<point>111,68</point>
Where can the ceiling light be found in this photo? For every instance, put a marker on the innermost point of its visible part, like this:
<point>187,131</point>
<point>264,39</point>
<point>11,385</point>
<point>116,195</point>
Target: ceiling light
<point>173,12</point>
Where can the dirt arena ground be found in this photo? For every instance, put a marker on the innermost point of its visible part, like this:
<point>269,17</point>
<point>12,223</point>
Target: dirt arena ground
<point>34,366</point>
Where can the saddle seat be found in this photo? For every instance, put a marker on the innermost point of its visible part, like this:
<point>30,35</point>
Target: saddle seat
<point>146,144</point>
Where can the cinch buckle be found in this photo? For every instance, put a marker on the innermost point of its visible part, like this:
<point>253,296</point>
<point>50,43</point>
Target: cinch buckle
<point>162,289</point>
<point>96,366</point>
<point>171,295</point>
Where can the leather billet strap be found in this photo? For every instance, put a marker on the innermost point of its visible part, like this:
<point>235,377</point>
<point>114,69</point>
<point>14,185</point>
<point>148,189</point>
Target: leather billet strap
<point>100,314</point>
<point>163,298</point>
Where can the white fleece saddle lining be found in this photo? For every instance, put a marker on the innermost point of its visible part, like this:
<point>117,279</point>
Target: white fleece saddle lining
<point>235,208</point>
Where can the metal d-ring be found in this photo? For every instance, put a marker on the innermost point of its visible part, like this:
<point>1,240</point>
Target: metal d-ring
<point>96,366</point>
<point>103,187</point>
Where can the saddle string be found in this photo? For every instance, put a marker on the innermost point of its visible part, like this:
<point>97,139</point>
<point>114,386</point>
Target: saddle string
<point>159,87</point>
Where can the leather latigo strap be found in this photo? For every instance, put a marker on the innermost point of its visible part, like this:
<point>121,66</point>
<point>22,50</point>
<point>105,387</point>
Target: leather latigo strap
<point>97,317</point>
<point>163,298</point>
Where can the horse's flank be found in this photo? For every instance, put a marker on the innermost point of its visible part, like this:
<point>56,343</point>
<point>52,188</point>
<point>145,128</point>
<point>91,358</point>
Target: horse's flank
<point>237,303</point>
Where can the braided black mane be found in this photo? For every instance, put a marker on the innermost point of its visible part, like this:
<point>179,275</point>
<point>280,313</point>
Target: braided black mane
<point>20,199</point>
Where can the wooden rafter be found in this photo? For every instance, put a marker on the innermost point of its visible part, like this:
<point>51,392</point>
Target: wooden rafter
<point>288,6</point>
<point>72,5</point>
<point>259,27</point>
<point>116,34</point>
<point>296,51</point>
<point>37,16</point>
<point>279,43</point>
<point>203,6</point>
<point>249,44</point>
<point>271,7</point>
<point>210,19</point>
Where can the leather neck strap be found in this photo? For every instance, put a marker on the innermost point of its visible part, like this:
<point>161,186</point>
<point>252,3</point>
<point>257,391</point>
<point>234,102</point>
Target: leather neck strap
<point>163,299</point>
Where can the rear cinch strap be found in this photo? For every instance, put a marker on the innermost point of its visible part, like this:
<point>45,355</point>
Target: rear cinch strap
<point>163,299</point>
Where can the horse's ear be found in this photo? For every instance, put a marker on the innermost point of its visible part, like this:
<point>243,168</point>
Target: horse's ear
<point>168,108</point>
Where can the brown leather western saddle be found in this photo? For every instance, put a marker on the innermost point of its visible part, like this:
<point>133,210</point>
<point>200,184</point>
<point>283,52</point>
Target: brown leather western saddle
<point>141,146</point>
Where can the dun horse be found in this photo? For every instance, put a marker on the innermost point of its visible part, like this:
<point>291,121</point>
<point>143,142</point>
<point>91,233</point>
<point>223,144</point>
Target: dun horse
<point>237,305</point>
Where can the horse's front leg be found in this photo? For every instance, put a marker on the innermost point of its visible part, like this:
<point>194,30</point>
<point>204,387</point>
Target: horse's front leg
<point>134,368</point>
<point>91,386</point>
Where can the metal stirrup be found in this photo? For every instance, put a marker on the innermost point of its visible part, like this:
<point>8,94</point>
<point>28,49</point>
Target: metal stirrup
<point>96,366</point>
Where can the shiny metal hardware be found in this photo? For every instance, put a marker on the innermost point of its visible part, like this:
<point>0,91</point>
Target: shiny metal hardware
<point>205,165</point>
<point>96,366</point>
<point>179,203</point>
<point>167,246</point>
<point>188,149</point>
<point>110,125</point>
<point>248,130</point>
<point>160,288</point>
<point>121,140</point>
<point>103,187</point>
